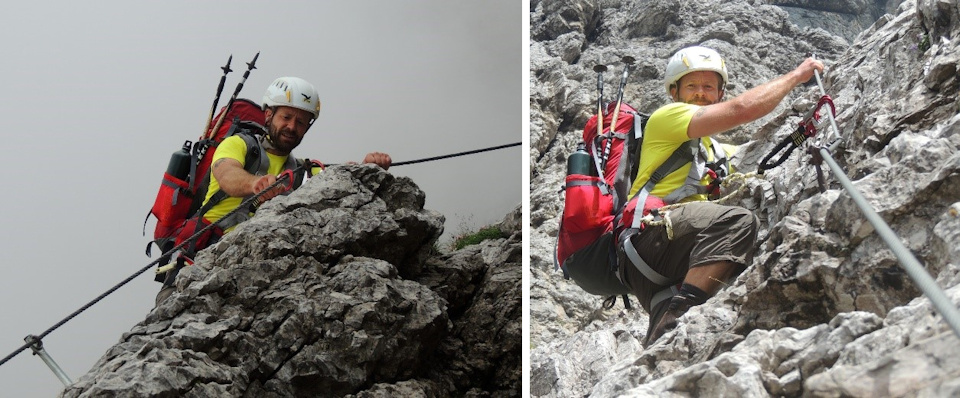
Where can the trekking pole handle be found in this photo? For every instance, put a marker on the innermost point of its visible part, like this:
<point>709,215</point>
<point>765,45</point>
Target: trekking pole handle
<point>600,68</point>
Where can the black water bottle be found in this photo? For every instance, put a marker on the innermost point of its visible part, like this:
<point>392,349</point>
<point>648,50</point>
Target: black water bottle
<point>580,162</point>
<point>179,166</point>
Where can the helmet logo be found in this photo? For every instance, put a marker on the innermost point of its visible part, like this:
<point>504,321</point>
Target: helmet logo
<point>306,98</point>
<point>704,59</point>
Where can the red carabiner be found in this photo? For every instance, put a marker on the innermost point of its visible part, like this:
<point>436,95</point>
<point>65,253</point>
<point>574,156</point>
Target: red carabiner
<point>714,187</point>
<point>288,184</point>
<point>812,118</point>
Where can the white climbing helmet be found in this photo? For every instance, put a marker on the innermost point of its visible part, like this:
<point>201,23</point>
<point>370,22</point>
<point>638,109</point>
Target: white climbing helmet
<point>293,92</point>
<point>692,59</point>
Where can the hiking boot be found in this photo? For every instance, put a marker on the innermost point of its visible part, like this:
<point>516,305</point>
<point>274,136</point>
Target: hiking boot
<point>665,318</point>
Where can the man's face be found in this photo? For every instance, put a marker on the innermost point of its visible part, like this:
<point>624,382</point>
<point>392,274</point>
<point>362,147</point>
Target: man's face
<point>698,88</point>
<point>286,127</point>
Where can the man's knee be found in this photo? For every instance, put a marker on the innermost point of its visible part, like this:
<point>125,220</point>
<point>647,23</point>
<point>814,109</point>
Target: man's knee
<point>744,217</point>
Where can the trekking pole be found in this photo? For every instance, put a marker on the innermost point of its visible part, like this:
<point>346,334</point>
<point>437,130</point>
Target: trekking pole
<point>914,269</point>
<point>600,68</point>
<point>250,66</point>
<point>627,61</point>
<point>216,99</point>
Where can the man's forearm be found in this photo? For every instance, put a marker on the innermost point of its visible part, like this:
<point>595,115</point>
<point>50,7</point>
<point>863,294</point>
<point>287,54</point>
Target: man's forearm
<point>763,99</point>
<point>233,179</point>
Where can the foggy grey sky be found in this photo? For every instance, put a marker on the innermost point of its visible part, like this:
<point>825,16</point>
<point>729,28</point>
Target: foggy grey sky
<point>96,100</point>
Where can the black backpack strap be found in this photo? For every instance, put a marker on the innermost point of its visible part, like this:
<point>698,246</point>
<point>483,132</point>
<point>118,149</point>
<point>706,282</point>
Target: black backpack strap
<point>629,163</point>
<point>691,184</point>
<point>682,155</point>
<point>254,162</point>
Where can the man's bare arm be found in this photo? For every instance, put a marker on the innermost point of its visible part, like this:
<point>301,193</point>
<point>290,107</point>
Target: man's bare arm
<point>236,181</point>
<point>751,105</point>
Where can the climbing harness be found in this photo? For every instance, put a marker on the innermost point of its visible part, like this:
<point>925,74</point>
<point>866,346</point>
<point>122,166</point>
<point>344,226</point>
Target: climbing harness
<point>661,216</point>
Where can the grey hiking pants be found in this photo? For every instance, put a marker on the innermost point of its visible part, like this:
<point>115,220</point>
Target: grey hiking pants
<point>703,233</point>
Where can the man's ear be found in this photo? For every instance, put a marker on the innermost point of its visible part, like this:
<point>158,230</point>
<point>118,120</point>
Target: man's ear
<point>674,91</point>
<point>721,86</point>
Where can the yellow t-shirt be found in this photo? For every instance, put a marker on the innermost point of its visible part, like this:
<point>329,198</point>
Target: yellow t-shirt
<point>664,133</point>
<point>234,148</point>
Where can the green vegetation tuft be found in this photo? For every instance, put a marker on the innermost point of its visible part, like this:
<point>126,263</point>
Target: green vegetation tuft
<point>471,239</point>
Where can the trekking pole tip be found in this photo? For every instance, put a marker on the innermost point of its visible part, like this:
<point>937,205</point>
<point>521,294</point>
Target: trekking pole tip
<point>226,68</point>
<point>253,64</point>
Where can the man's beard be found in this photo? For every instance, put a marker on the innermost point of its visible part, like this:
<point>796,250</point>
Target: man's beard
<point>282,141</point>
<point>702,101</point>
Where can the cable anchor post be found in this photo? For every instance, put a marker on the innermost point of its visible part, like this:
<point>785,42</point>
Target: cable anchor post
<point>37,346</point>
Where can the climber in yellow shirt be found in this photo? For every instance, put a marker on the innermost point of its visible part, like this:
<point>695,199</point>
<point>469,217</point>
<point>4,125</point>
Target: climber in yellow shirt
<point>710,243</point>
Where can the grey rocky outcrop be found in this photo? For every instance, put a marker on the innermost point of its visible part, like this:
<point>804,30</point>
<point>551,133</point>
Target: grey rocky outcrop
<point>334,290</point>
<point>845,18</point>
<point>825,309</point>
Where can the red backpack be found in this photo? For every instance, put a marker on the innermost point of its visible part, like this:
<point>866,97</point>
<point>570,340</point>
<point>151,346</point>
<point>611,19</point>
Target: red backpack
<point>184,184</point>
<point>595,196</point>
<point>597,209</point>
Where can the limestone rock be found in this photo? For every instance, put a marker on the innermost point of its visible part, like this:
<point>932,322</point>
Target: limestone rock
<point>825,309</point>
<point>331,291</point>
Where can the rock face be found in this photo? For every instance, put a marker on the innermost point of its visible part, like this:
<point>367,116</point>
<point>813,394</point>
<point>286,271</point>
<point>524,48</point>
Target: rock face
<point>825,309</point>
<point>845,18</point>
<point>333,290</point>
